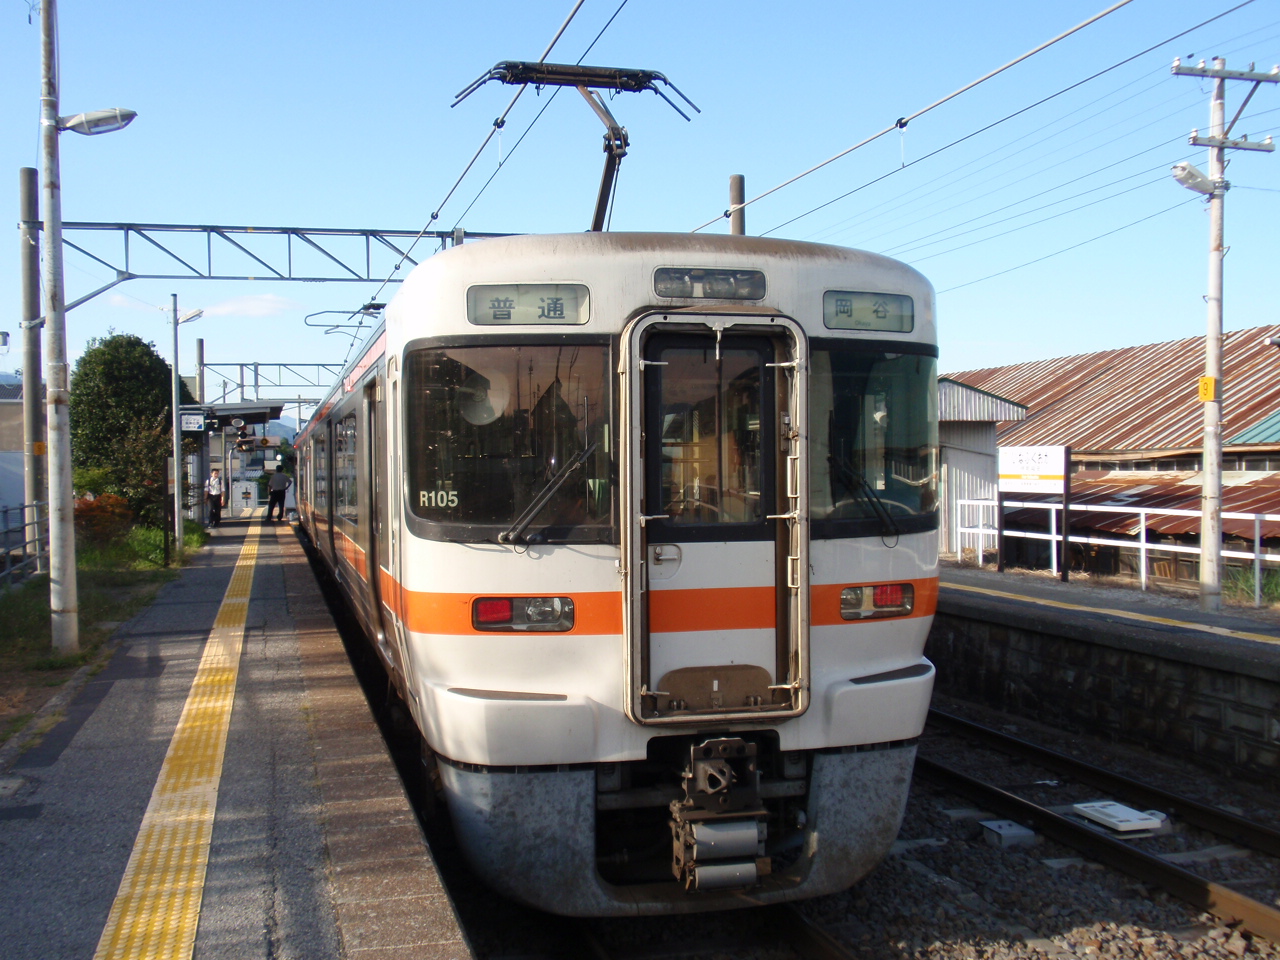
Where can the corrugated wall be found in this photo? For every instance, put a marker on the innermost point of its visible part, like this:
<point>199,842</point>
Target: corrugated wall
<point>968,473</point>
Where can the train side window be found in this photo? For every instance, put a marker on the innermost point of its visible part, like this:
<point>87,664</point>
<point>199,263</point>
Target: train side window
<point>344,469</point>
<point>320,474</point>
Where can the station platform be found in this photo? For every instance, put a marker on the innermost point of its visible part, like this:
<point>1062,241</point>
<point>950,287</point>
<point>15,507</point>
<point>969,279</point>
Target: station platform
<point>218,788</point>
<point>1120,608</point>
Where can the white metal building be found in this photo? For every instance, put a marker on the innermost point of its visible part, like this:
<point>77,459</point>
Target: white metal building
<point>967,435</point>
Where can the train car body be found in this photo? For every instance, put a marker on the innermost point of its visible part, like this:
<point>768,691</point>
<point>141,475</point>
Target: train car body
<point>644,528</point>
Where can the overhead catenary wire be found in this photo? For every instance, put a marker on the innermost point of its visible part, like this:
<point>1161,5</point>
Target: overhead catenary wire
<point>1074,246</point>
<point>1038,169</point>
<point>901,253</point>
<point>1034,223</point>
<point>498,124</point>
<point>973,134</point>
<point>935,187</point>
<point>903,121</point>
<point>902,250</point>
<point>983,164</point>
<point>502,162</point>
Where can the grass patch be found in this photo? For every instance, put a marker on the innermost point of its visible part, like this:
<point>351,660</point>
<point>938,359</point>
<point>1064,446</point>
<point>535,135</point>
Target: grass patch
<point>1237,586</point>
<point>114,581</point>
<point>13,724</point>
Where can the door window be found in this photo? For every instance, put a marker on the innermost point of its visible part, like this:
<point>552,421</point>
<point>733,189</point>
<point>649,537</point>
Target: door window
<point>709,464</point>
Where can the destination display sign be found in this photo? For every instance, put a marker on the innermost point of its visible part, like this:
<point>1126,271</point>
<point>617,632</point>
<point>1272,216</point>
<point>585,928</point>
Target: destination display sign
<point>1033,469</point>
<point>501,304</point>
<point>855,310</point>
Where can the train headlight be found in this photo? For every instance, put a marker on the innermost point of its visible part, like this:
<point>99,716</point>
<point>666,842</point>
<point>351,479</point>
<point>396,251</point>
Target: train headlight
<point>543,609</point>
<point>544,614</point>
<point>881,600</point>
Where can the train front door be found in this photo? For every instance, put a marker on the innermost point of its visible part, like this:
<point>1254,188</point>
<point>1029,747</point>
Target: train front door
<point>717,546</point>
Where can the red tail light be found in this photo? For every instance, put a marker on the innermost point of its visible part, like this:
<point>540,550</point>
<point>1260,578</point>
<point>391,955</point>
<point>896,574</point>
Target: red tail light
<point>493,611</point>
<point>888,595</point>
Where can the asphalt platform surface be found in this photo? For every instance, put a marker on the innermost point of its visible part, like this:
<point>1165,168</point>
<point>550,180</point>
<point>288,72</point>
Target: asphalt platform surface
<point>314,851</point>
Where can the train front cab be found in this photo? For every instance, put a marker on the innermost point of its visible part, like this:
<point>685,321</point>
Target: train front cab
<point>778,569</point>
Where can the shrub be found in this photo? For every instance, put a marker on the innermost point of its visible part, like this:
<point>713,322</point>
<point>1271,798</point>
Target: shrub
<point>102,520</point>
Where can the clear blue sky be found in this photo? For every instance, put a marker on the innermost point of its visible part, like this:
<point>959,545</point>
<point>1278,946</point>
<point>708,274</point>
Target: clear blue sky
<point>323,114</point>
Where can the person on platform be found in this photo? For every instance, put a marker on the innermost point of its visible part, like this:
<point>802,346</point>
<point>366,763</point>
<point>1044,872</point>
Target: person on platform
<point>215,493</point>
<point>276,487</point>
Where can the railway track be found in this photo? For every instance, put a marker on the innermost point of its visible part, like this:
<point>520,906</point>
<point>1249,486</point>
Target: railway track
<point>1057,823</point>
<point>911,907</point>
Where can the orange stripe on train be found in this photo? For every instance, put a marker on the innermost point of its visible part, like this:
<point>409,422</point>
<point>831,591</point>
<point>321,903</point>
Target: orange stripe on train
<point>670,611</point>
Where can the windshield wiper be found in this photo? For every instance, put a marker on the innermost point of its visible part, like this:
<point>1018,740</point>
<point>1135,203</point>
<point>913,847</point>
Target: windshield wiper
<point>544,496</point>
<point>857,485</point>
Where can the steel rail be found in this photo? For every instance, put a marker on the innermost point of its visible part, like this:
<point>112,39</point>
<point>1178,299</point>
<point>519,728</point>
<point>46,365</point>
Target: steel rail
<point>807,938</point>
<point>1256,836</point>
<point>1224,903</point>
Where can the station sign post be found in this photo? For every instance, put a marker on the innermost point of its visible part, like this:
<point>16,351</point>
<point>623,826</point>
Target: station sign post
<point>1035,470</point>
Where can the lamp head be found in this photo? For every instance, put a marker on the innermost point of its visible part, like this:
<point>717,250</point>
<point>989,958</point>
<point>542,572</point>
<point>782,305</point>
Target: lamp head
<point>98,121</point>
<point>1191,178</point>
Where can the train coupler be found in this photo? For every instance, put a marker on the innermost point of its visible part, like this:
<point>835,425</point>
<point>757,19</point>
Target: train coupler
<point>719,828</point>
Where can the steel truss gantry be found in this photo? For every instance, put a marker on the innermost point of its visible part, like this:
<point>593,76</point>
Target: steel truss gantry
<point>254,376</point>
<point>214,245</point>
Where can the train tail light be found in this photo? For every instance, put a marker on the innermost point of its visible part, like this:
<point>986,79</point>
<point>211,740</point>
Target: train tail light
<point>493,612</point>
<point>523,614</point>
<point>881,600</point>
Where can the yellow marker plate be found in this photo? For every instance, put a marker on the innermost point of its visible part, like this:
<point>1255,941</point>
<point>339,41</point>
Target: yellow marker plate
<point>157,907</point>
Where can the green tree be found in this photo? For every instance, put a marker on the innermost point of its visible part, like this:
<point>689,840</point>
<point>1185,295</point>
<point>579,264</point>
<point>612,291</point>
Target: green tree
<point>121,422</point>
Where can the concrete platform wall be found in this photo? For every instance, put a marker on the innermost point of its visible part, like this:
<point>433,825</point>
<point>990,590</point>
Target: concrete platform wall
<point>1214,699</point>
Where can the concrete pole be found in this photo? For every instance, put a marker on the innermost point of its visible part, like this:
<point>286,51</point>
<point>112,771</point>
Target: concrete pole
<point>177,439</point>
<point>1211,493</point>
<point>737,197</point>
<point>34,489</point>
<point>64,605</point>
<point>200,370</point>
<point>199,511</point>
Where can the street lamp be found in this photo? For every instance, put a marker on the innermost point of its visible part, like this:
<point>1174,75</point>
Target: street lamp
<point>1214,187</point>
<point>63,601</point>
<point>177,425</point>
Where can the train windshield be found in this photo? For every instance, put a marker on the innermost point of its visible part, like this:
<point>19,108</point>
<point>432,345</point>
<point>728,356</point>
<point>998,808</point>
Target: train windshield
<point>874,426</point>
<point>510,442</point>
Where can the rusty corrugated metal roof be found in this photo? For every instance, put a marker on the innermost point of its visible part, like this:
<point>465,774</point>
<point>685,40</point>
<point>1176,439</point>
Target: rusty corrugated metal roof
<point>1135,398</point>
<point>964,403</point>
<point>1176,490</point>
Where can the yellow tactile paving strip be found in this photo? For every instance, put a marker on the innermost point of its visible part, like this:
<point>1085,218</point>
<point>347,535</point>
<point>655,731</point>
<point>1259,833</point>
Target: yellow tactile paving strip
<point>157,907</point>
<point>1126,614</point>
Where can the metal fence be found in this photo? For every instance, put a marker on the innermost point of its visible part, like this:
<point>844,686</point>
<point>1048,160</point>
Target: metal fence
<point>984,528</point>
<point>24,533</point>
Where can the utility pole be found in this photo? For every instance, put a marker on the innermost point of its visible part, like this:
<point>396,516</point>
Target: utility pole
<point>1211,388</point>
<point>34,489</point>
<point>64,602</point>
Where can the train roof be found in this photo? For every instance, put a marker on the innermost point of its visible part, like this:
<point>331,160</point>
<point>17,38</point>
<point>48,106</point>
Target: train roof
<point>643,246</point>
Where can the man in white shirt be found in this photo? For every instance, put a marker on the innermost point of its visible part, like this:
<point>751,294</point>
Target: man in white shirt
<point>216,495</point>
<point>276,487</point>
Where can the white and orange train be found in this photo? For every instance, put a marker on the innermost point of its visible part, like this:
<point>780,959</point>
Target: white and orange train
<point>644,527</point>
